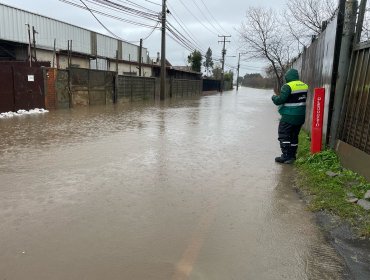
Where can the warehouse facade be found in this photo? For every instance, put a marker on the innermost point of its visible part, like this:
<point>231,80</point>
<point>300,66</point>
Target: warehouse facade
<point>24,34</point>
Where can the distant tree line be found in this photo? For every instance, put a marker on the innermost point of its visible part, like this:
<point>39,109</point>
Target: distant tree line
<point>256,80</point>
<point>212,70</point>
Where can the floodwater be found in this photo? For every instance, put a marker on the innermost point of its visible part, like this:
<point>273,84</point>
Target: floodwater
<point>185,189</point>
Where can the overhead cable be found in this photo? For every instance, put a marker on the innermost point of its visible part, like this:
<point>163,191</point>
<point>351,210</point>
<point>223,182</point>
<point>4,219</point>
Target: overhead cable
<point>205,26</point>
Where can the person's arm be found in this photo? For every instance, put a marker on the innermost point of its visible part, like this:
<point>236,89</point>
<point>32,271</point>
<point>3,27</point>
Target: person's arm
<point>284,94</point>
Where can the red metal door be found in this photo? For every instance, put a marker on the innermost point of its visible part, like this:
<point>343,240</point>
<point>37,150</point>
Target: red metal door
<point>28,88</point>
<point>6,86</point>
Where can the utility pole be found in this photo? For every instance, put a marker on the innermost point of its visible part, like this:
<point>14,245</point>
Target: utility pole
<point>140,55</point>
<point>163,52</point>
<point>29,44</point>
<point>223,58</point>
<point>54,52</point>
<point>237,76</point>
<point>34,42</point>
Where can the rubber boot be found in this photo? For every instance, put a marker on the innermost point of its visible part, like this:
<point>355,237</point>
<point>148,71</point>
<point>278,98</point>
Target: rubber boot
<point>293,152</point>
<point>286,154</point>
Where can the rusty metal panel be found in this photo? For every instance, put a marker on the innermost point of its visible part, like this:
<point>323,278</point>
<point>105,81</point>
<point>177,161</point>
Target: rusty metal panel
<point>6,92</point>
<point>28,88</point>
<point>62,89</point>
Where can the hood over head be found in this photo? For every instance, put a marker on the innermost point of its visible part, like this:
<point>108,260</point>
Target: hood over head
<point>291,75</point>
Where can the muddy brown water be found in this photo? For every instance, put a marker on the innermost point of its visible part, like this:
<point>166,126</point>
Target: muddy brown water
<point>185,189</point>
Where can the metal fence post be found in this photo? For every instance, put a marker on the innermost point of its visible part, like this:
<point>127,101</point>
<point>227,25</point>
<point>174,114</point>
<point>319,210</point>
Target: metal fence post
<point>343,66</point>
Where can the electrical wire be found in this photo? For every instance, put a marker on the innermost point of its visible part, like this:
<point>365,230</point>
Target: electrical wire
<point>186,41</point>
<point>204,15</point>
<point>153,3</point>
<point>106,28</point>
<point>213,16</point>
<point>151,32</point>
<point>108,15</point>
<point>194,46</point>
<point>183,26</point>
<point>205,26</point>
<point>125,9</point>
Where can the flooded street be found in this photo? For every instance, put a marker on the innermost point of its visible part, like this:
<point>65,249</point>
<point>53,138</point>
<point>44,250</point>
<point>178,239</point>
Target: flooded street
<point>183,190</point>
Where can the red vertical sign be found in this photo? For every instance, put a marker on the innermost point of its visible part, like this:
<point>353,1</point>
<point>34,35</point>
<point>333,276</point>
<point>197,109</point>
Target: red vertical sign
<point>317,119</point>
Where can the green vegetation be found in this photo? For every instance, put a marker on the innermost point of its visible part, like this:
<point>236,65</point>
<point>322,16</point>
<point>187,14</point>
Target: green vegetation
<point>195,60</point>
<point>256,80</point>
<point>208,63</point>
<point>331,193</point>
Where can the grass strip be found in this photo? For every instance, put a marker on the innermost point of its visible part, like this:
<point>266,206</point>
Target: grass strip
<point>331,192</point>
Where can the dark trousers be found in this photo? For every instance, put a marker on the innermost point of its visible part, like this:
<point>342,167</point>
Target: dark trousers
<point>288,138</point>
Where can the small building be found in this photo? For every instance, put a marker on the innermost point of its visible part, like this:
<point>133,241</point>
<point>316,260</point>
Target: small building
<point>177,72</point>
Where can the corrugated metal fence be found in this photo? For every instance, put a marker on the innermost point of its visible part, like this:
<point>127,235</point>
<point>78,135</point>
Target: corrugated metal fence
<point>355,128</point>
<point>316,65</point>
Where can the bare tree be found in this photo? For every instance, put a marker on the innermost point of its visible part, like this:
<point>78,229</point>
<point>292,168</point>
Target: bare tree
<point>304,18</point>
<point>365,35</point>
<point>262,38</point>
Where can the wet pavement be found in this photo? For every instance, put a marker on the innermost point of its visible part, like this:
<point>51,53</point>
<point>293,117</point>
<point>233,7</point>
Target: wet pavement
<point>187,189</point>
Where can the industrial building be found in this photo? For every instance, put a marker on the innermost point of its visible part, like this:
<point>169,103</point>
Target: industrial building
<point>46,63</point>
<point>24,34</point>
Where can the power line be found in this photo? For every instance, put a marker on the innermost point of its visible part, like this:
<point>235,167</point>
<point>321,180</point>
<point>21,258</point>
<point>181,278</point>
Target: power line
<point>133,4</point>
<point>183,26</point>
<point>213,16</point>
<point>149,14</point>
<point>206,18</point>
<point>194,46</point>
<point>151,32</point>
<point>153,2</point>
<point>106,28</point>
<point>198,18</point>
<point>108,15</point>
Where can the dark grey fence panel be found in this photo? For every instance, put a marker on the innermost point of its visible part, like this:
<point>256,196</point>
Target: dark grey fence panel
<point>316,67</point>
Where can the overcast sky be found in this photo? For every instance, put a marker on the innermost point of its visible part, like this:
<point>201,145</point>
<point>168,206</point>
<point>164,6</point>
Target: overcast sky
<point>200,24</point>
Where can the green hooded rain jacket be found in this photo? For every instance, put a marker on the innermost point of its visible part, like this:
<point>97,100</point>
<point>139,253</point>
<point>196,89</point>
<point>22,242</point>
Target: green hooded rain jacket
<point>292,107</point>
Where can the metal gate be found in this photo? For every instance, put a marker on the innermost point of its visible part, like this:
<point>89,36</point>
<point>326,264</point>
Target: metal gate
<point>22,87</point>
<point>356,114</point>
<point>6,92</point>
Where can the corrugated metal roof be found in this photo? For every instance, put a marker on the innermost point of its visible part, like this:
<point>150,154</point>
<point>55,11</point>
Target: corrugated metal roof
<point>13,28</point>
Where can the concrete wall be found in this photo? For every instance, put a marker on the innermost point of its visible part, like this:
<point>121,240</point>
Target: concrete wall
<point>354,159</point>
<point>83,87</point>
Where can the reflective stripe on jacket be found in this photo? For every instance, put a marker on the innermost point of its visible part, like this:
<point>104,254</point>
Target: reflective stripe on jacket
<point>295,104</point>
<point>298,96</point>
